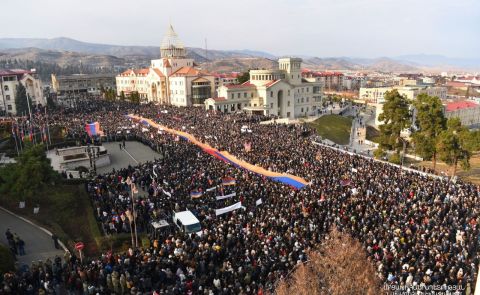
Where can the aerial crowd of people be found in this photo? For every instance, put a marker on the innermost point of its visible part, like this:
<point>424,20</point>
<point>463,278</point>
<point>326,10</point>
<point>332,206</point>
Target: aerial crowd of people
<point>418,230</point>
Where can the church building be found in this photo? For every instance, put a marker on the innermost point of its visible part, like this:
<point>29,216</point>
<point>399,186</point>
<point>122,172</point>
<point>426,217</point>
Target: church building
<point>172,79</point>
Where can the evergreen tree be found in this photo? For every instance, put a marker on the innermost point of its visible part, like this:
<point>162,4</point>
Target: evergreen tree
<point>396,117</point>
<point>454,145</point>
<point>25,178</point>
<point>430,121</point>
<point>244,77</point>
<point>21,103</point>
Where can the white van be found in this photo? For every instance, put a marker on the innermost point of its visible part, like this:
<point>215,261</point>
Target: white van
<point>187,222</point>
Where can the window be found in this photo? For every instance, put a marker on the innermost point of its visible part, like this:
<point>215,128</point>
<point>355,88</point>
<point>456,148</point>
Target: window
<point>244,95</point>
<point>302,110</point>
<point>288,103</point>
<point>5,87</point>
<point>307,109</point>
<point>288,114</point>
<point>233,95</point>
<point>7,97</point>
<point>302,90</point>
<point>271,93</point>
<point>271,105</point>
<point>251,94</point>
<point>238,95</point>
<point>9,107</point>
<point>302,99</point>
<point>307,89</point>
<point>308,99</point>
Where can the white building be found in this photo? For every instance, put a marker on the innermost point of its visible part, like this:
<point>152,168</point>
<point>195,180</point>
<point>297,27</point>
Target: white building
<point>172,79</point>
<point>376,95</point>
<point>10,79</point>
<point>277,92</point>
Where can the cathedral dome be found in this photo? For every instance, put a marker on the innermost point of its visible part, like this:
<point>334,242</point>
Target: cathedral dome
<point>171,45</point>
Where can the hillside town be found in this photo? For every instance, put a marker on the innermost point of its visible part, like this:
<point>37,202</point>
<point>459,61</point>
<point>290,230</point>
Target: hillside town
<point>181,170</point>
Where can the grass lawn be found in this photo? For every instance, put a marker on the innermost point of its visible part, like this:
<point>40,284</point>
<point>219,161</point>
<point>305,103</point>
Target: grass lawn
<point>472,175</point>
<point>66,210</point>
<point>333,127</point>
<point>372,134</point>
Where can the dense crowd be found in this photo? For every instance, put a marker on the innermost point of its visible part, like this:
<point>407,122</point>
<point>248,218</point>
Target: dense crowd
<point>417,229</point>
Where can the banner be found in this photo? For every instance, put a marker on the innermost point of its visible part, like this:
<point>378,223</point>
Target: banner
<point>211,189</point>
<point>258,202</point>
<point>167,193</point>
<point>228,209</point>
<point>226,196</point>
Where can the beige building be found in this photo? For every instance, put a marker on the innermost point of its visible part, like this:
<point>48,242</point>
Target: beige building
<point>172,79</point>
<point>82,83</point>
<point>10,79</point>
<point>278,92</point>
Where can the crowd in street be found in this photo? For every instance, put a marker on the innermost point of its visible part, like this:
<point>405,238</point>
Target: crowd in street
<point>418,230</point>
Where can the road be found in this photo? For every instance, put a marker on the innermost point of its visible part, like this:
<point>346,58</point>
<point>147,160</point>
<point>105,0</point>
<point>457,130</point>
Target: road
<point>38,244</point>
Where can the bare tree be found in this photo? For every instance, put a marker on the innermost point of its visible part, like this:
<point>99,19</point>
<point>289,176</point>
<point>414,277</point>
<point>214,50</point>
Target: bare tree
<point>339,266</point>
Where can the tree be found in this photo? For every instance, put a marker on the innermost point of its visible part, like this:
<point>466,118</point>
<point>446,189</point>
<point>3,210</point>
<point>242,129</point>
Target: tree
<point>122,95</point>
<point>135,97</point>
<point>24,179</point>
<point>396,117</point>
<point>21,100</point>
<point>430,121</point>
<point>454,145</point>
<point>340,266</point>
<point>244,77</point>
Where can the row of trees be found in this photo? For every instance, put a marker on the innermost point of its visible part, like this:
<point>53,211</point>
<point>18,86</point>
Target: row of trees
<point>433,136</point>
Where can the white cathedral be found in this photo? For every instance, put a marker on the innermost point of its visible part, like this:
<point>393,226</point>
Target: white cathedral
<point>172,79</point>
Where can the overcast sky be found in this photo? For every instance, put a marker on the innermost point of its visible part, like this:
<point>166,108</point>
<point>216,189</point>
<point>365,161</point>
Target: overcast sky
<point>324,28</point>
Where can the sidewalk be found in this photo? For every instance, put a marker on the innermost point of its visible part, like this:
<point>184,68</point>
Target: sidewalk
<point>38,244</point>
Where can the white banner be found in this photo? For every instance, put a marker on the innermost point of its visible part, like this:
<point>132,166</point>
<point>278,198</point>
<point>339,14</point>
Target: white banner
<point>153,170</point>
<point>167,193</point>
<point>228,209</point>
<point>258,202</point>
<point>226,196</point>
<point>211,189</point>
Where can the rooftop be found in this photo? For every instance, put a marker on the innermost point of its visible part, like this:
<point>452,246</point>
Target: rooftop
<point>460,105</point>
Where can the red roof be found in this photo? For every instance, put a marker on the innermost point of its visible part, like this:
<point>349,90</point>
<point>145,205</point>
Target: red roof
<point>188,71</point>
<point>158,72</point>
<point>271,83</point>
<point>460,105</point>
<point>14,72</point>
<point>219,99</point>
<point>246,84</point>
<point>456,84</point>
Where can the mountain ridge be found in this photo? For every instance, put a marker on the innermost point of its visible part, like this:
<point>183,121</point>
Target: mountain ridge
<point>134,56</point>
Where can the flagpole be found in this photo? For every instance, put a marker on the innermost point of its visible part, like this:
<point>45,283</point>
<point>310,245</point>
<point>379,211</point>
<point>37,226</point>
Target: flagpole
<point>48,127</point>
<point>15,138</point>
<point>134,216</point>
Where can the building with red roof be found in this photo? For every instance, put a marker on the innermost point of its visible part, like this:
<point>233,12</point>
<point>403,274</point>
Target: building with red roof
<point>172,79</point>
<point>466,110</point>
<point>281,92</point>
